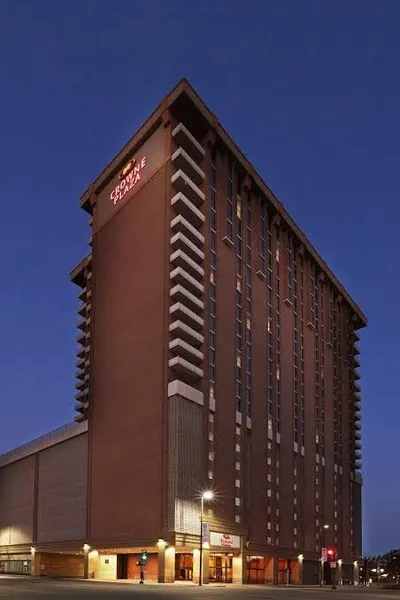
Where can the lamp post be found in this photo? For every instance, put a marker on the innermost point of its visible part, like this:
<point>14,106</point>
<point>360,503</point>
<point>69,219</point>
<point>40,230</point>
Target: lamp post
<point>204,497</point>
<point>324,528</point>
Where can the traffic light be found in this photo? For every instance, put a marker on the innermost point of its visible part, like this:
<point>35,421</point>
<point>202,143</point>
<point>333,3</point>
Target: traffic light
<point>331,554</point>
<point>143,557</point>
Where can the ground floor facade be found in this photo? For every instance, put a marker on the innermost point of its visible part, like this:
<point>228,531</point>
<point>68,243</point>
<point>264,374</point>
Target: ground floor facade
<point>225,560</point>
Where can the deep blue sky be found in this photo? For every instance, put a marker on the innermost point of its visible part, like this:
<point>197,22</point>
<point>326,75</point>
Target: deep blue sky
<point>309,90</point>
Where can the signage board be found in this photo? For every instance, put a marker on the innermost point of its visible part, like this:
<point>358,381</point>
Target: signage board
<point>136,169</point>
<point>324,553</point>
<point>205,533</point>
<point>224,540</point>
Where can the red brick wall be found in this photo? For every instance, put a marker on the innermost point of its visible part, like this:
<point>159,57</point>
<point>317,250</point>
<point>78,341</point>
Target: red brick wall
<point>127,368</point>
<point>151,570</point>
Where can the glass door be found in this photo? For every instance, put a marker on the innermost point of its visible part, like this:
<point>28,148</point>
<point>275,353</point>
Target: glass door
<point>220,568</point>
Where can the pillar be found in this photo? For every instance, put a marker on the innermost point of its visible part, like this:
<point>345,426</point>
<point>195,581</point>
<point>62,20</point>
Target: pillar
<point>339,573</point>
<point>356,573</point>
<point>237,569</point>
<point>196,566</point>
<point>86,549</point>
<point>300,569</point>
<point>271,571</point>
<point>166,564</point>
<point>275,566</point>
<point>161,564</point>
<point>244,568</point>
<point>35,563</point>
<point>206,565</point>
<point>93,564</point>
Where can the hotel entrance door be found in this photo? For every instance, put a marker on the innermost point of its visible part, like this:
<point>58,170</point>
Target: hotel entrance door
<point>221,568</point>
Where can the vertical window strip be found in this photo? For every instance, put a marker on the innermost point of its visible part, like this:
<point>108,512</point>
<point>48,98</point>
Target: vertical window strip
<point>213,274</point>
<point>289,268</point>
<point>270,326</point>
<point>263,219</point>
<point>248,309</point>
<point>229,208</point>
<point>239,303</point>
<point>278,335</point>
<point>212,307</point>
<point>296,358</point>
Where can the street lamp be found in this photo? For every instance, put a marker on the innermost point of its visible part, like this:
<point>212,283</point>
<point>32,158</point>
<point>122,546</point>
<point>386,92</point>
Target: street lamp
<point>206,496</point>
<point>324,528</point>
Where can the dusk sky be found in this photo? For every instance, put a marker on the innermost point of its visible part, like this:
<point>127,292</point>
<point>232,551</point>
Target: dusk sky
<point>310,91</point>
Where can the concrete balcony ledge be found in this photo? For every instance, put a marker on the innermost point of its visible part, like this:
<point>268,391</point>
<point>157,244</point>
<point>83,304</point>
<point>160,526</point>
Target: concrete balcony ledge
<point>81,406</point>
<point>182,313</point>
<point>82,394</point>
<point>182,183</point>
<point>80,375</point>
<point>180,241</point>
<point>184,138</point>
<point>180,225</point>
<point>186,351</point>
<point>179,294</point>
<point>185,368</point>
<point>182,205</point>
<point>82,324</point>
<point>179,388</point>
<point>181,259</point>
<point>178,329</point>
<point>182,277</point>
<point>184,162</point>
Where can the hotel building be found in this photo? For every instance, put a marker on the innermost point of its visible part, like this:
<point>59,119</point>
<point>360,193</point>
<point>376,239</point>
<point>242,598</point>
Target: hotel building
<point>216,351</point>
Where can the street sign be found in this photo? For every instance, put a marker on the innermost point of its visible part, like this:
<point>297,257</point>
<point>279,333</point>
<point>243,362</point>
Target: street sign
<point>324,553</point>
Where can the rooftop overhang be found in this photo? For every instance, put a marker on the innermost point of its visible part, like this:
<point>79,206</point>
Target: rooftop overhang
<point>184,101</point>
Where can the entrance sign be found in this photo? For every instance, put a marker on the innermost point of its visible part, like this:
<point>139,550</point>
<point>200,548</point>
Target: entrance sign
<point>224,540</point>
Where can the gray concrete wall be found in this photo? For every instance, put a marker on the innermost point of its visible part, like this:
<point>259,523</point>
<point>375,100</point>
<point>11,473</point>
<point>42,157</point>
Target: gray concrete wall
<point>61,513</point>
<point>17,485</point>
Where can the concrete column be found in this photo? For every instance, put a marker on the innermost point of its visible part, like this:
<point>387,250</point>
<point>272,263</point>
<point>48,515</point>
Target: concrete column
<point>237,569</point>
<point>196,566</point>
<point>275,570</point>
<point>86,549</point>
<point>93,564</point>
<point>206,565</point>
<point>244,568</point>
<point>166,565</point>
<point>271,571</point>
<point>35,564</point>
<point>161,564</point>
<point>356,573</point>
<point>339,573</point>
<point>300,570</point>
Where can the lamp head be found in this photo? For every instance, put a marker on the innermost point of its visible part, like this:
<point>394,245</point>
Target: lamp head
<point>208,495</point>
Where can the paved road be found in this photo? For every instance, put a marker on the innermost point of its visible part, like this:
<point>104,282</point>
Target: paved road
<point>29,589</point>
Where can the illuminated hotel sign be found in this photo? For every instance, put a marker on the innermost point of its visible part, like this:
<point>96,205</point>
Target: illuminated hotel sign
<point>224,540</point>
<point>138,166</point>
<point>129,177</point>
